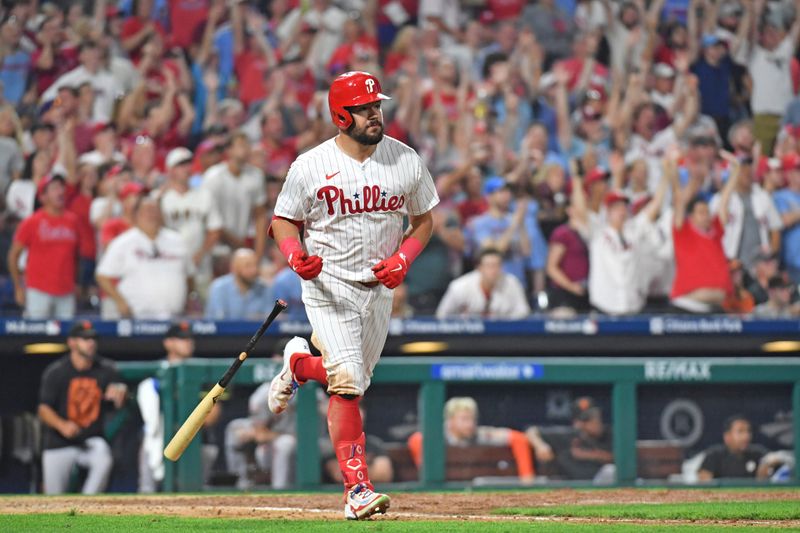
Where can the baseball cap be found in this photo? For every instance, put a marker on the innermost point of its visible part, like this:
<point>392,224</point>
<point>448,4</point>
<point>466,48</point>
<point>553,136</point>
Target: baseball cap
<point>179,330</point>
<point>595,92</point>
<point>132,187</point>
<point>115,171</point>
<point>47,180</point>
<point>494,184</point>
<point>711,39</point>
<point>595,175</point>
<point>584,408</point>
<point>209,145</point>
<point>82,329</point>
<point>42,126</point>
<point>101,126</point>
<point>178,156</point>
<point>487,17</point>
<point>613,197</point>
<point>663,70</point>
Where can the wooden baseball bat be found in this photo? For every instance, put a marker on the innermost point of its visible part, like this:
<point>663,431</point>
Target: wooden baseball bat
<point>192,425</point>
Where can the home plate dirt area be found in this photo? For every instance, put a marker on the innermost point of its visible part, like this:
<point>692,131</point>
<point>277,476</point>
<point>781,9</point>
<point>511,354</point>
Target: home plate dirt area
<point>405,505</point>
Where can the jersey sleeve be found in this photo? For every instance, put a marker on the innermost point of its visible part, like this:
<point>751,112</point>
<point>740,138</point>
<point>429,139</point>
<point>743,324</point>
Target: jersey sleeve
<point>424,197</point>
<point>49,389</point>
<point>112,264</point>
<point>24,234</point>
<point>214,218</point>
<point>774,220</point>
<point>293,201</point>
<point>711,462</point>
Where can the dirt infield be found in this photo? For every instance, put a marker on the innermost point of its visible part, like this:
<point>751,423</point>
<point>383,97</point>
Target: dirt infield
<point>405,506</point>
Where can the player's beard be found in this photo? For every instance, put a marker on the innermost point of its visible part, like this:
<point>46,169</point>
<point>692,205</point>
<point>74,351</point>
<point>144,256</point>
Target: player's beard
<point>361,136</point>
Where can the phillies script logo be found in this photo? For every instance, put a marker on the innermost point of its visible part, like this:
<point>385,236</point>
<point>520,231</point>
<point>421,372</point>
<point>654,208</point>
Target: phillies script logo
<point>371,200</point>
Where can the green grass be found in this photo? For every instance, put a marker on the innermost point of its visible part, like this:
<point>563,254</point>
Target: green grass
<point>132,524</point>
<point>763,510</point>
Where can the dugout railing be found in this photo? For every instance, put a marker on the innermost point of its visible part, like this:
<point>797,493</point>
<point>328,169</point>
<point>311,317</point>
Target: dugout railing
<point>182,386</point>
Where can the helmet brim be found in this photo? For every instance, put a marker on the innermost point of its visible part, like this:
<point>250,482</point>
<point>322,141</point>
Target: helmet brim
<point>367,99</point>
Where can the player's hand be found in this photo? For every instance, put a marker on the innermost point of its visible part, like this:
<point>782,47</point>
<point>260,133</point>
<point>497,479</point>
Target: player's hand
<point>116,392</point>
<point>307,267</point>
<point>69,429</point>
<point>392,270</point>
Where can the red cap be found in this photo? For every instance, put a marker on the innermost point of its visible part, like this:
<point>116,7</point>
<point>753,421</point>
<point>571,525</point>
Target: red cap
<point>613,197</point>
<point>790,161</point>
<point>349,90</point>
<point>596,92</point>
<point>487,17</point>
<point>595,175</point>
<point>132,187</point>
<point>97,127</point>
<point>47,180</point>
<point>209,145</point>
<point>114,171</point>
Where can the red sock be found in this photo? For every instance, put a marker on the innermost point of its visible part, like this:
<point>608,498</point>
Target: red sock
<point>305,366</point>
<point>347,436</point>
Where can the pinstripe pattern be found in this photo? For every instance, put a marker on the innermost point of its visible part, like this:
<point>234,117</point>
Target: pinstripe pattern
<point>352,321</point>
<point>353,213</point>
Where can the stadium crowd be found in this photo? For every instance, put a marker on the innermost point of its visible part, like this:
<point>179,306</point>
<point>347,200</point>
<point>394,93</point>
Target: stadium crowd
<point>615,156</point>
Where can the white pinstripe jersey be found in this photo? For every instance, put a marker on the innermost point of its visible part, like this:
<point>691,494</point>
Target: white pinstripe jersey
<point>353,212</point>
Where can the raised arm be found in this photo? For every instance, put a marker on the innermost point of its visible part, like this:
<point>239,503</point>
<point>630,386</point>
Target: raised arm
<point>562,109</point>
<point>690,108</point>
<point>580,209</point>
<point>215,14</point>
<point>743,32</point>
<point>679,200</point>
<point>653,207</point>
<point>67,153</point>
<point>692,29</point>
<point>730,186</point>
<point>237,25</point>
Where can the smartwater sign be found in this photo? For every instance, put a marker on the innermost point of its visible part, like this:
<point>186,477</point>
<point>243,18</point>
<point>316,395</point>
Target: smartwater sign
<point>487,372</point>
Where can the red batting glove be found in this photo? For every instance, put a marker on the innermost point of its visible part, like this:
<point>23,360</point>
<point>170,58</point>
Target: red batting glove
<point>307,267</point>
<point>392,270</point>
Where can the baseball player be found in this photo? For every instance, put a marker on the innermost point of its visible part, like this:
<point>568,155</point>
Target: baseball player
<point>350,195</point>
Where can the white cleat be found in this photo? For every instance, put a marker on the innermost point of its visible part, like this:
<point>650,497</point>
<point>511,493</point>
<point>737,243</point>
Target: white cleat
<point>363,502</point>
<point>283,386</point>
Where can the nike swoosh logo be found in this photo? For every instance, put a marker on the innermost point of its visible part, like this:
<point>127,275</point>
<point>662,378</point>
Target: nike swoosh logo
<point>399,268</point>
<point>329,176</point>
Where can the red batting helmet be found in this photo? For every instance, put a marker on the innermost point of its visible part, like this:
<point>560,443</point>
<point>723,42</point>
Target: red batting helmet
<point>352,89</point>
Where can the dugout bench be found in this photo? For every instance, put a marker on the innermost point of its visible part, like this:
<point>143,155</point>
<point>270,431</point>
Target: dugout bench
<point>182,385</point>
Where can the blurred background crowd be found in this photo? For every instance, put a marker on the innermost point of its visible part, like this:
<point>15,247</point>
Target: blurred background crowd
<point>591,155</point>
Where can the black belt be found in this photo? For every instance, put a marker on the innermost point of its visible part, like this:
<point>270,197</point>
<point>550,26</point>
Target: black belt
<point>369,284</point>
